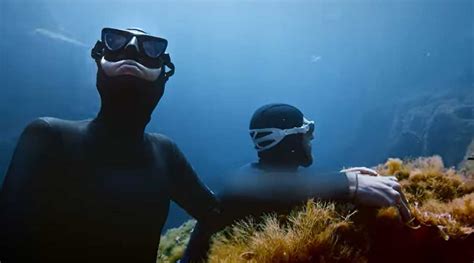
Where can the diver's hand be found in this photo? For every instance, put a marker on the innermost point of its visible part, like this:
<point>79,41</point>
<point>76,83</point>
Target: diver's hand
<point>361,170</point>
<point>374,190</point>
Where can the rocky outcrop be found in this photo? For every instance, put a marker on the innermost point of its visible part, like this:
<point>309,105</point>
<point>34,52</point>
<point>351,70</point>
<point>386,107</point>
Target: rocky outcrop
<point>425,125</point>
<point>441,125</point>
<point>467,165</point>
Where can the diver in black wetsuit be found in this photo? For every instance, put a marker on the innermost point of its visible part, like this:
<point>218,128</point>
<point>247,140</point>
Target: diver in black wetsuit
<point>98,190</point>
<point>282,137</point>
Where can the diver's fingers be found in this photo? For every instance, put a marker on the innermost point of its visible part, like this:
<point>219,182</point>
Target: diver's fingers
<point>361,170</point>
<point>404,211</point>
<point>395,197</point>
<point>404,199</point>
<point>396,186</point>
<point>393,178</point>
<point>404,208</point>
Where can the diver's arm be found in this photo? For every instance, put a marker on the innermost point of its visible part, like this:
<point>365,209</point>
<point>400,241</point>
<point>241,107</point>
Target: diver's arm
<point>376,191</point>
<point>21,197</point>
<point>253,194</point>
<point>289,189</point>
<point>189,192</point>
<point>199,243</point>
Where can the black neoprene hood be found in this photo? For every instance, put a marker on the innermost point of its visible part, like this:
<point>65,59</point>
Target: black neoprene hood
<point>276,115</point>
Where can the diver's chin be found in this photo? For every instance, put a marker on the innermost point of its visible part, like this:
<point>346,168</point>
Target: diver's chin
<point>129,67</point>
<point>129,70</point>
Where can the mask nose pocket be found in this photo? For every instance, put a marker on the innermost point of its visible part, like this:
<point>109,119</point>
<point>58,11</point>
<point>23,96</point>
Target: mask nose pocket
<point>132,49</point>
<point>133,43</point>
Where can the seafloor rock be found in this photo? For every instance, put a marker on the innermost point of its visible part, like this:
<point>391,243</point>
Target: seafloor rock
<point>426,125</point>
<point>442,228</point>
<point>434,125</point>
<point>467,165</point>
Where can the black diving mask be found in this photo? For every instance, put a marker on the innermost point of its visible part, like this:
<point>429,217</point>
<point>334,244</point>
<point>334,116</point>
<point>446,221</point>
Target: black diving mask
<point>149,51</point>
<point>116,40</point>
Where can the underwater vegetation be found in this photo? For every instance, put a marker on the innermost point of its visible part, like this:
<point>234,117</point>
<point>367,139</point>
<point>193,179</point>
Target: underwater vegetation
<point>173,243</point>
<point>442,205</point>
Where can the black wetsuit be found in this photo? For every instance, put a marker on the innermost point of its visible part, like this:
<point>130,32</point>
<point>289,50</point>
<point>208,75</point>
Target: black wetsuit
<point>76,193</point>
<point>257,189</point>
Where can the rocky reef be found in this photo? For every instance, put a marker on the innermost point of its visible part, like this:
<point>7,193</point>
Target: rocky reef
<point>442,205</point>
<point>443,126</point>
<point>426,125</point>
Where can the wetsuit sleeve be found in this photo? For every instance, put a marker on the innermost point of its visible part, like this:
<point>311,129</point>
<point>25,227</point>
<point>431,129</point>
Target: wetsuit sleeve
<point>250,193</point>
<point>288,189</point>
<point>22,197</point>
<point>188,191</point>
<point>199,243</point>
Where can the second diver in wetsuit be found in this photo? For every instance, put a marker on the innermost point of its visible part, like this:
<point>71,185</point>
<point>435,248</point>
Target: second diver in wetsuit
<point>282,137</point>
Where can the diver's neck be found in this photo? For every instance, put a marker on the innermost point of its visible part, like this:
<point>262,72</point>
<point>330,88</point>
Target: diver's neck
<point>117,126</point>
<point>277,166</point>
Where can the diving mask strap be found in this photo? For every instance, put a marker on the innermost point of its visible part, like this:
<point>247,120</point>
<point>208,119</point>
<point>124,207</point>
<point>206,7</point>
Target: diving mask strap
<point>97,51</point>
<point>167,62</point>
<point>276,135</point>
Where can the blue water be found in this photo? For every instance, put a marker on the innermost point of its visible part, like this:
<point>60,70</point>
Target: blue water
<point>335,60</point>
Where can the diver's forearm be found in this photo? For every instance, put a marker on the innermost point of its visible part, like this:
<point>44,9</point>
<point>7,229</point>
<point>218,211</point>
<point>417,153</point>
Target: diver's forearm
<point>199,244</point>
<point>292,189</point>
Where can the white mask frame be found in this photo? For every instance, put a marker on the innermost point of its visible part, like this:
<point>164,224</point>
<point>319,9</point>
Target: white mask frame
<point>276,135</point>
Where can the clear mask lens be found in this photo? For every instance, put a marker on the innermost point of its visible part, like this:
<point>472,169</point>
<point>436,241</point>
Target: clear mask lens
<point>153,47</point>
<point>114,41</point>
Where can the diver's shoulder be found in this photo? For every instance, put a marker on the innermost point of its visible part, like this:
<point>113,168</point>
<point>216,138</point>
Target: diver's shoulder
<point>162,142</point>
<point>41,129</point>
<point>58,123</point>
<point>158,137</point>
<point>37,127</point>
<point>248,169</point>
<point>54,125</point>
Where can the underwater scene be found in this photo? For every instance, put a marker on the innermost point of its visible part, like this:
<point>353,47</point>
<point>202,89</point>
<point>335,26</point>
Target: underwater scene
<point>237,131</point>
